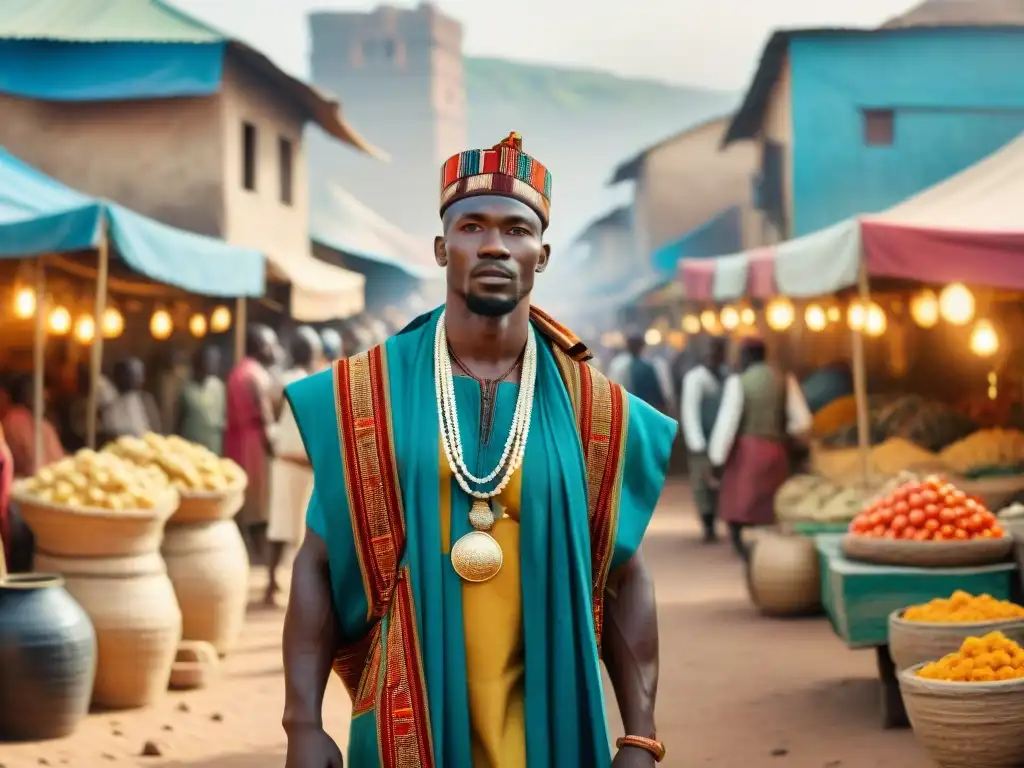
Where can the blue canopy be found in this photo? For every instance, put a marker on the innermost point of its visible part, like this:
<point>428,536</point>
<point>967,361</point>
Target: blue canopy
<point>39,215</point>
<point>722,233</point>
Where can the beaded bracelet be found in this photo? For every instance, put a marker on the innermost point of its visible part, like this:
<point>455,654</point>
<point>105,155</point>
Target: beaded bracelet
<point>653,746</point>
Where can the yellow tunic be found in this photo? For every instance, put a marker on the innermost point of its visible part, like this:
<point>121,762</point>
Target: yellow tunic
<point>493,621</point>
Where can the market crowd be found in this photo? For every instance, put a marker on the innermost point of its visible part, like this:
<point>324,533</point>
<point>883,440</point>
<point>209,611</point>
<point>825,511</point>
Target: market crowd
<point>241,415</point>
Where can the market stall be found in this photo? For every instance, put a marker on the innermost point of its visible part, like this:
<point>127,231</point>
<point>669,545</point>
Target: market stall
<point>41,218</point>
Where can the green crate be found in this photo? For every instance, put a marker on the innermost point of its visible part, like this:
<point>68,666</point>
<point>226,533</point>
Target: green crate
<point>858,597</point>
<point>816,529</point>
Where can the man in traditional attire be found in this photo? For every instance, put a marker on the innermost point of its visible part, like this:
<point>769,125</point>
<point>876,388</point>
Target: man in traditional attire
<point>701,397</point>
<point>761,410</point>
<point>460,580</point>
<point>203,407</point>
<point>291,480</point>
<point>248,429</point>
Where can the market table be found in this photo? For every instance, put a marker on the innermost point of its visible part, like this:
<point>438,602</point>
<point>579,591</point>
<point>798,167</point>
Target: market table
<point>858,598</point>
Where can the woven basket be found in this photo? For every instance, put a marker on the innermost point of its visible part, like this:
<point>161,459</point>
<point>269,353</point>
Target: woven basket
<point>208,506</point>
<point>927,554</point>
<point>916,642</point>
<point>966,725</point>
<point>993,491</point>
<point>92,532</point>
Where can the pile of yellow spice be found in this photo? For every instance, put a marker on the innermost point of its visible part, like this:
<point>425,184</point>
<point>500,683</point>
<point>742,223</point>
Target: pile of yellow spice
<point>979,660</point>
<point>963,608</point>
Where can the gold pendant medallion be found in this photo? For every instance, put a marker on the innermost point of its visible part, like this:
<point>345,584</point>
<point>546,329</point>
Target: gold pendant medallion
<point>477,557</point>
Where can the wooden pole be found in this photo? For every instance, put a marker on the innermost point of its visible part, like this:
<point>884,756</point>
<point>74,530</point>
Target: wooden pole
<point>96,361</point>
<point>39,364</point>
<point>860,379</point>
<point>241,320</point>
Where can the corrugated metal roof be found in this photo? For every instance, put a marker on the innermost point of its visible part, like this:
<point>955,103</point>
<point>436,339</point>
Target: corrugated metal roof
<point>155,21</point>
<point>94,21</point>
<point>967,13</point>
<point>630,169</point>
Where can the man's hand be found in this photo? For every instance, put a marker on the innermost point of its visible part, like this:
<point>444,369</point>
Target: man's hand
<point>627,757</point>
<point>311,747</point>
<point>713,478</point>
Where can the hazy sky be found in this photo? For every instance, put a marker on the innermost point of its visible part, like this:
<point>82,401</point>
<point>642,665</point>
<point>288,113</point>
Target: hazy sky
<point>714,43</point>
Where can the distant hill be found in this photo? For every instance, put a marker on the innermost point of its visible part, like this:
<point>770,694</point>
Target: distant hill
<point>581,124</point>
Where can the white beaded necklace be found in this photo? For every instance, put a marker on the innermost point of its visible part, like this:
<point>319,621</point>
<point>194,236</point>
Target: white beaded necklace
<point>448,419</point>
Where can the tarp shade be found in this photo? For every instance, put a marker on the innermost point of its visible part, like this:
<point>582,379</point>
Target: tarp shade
<point>341,222</point>
<point>39,215</point>
<point>968,228</point>
<point>320,291</point>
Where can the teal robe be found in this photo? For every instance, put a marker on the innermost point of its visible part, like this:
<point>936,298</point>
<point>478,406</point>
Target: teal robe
<point>565,714</point>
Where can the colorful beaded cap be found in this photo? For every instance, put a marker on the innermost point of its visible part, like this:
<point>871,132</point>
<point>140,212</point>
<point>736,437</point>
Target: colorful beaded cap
<point>502,170</point>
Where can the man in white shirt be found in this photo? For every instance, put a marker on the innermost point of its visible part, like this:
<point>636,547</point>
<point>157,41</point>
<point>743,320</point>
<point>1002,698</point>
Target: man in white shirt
<point>701,396</point>
<point>761,411</point>
<point>644,375</point>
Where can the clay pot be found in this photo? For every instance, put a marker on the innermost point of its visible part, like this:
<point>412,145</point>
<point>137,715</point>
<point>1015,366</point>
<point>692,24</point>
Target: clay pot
<point>207,506</point>
<point>138,623</point>
<point>783,575</point>
<point>47,659</point>
<point>209,567</point>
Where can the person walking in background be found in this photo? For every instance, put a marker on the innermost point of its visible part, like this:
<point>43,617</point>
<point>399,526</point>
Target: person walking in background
<point>291,479</point>
<point>18,422</point>
<point>701,398</point>
<point>203,407</point>
<point>174,369</point>
<point>249,427</point>
<point>78,409</point>
<point>134,411</point>
<point>645,376</point>
<point>748,450</point>
<point>333,346</point>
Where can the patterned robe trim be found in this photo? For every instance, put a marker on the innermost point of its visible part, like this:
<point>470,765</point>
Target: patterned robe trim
<point>602,413</point>
<point>358,666</point>
<point>562,337</point>
<point>363,410</point>
<point>403,723</point>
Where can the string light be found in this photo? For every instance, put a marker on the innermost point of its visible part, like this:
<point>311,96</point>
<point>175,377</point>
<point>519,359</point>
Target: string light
<point>924,308</point>
<point>729,318</point>
<point>197,325</point>
<point>984,339</point>
<point>855,316</point>
<point>815,318</point>
<point>834,314</point>
<point>24,303</point>
<point>652,337</point>
<point>875,321</point>
<point>709,320</point>
<point>748,317</point>
<point>780,314</point>
<point>956,304</point>
<point>161,325</point>
<point>691,325</point>
<point>85,329</point>
<point>59,321</point>
<point>220,319</point>
<point>112,323</point>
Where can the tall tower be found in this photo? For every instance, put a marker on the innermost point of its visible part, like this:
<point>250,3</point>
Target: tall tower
<point>399,76</point>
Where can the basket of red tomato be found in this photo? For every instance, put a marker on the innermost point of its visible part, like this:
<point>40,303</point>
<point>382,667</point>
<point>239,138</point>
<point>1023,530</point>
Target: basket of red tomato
<point>930,524</point>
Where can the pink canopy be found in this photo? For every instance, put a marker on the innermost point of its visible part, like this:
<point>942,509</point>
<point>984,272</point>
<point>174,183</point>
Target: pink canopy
<point>968,228</point>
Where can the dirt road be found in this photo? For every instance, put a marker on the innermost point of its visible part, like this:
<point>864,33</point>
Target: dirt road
<point>737,690</point>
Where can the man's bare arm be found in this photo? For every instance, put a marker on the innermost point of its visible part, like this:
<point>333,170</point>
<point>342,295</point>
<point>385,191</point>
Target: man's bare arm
<point>310,636</point>
<point>630,644</point>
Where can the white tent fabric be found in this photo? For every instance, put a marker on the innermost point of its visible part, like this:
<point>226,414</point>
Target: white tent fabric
<point>320,291</point>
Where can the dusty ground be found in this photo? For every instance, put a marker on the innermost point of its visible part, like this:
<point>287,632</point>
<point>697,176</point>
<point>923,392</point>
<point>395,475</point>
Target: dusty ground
<point>737,690</point>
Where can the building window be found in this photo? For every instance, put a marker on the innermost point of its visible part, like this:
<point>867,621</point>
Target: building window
<point>286,169</point>
<point>879,127</point>
<point>249,156</point>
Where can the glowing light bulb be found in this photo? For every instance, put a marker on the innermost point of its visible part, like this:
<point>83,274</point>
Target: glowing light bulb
<point>161,325</point>
<point>691,324</point>
<point>875,321</point>
<point>956,304</point>
<point>729,318</point>
<point>197,325</point>
<point>834,314</point>
<point>24,303</point>
<point>924,308</point>
<point>748,316</point>
<point>984,339</point>
<point>653,337</point>
<point>112,323</point>
<point>85,329</point>
<point>59,321</point>
<point>815,318</point>
<point>855,316</point>
<point>220,319</point>
<point>780,314</point>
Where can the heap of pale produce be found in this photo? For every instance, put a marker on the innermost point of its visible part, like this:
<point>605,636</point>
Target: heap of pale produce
<point>188,466</point>
<point>91,480</point>
<point>986,450</point>
<point>964,608</point>
<point>979,660</point>
<point>930,510</point>
<point>811,498</point>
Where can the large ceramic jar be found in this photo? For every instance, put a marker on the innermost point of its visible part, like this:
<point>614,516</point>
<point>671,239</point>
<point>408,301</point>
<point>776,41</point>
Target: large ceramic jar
<point>783,575</point>
<point>47,659</point>
<point>138,623</point>
<point>209,567</point>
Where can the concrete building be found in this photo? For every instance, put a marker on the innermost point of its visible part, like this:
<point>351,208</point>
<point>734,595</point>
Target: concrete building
<point>853,121</point>
<point>401,73</point>
<point>223,157</point>
<point>684,181</point>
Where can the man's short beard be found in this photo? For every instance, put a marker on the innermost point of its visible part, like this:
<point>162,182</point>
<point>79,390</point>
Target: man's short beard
<point>491,306</point>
